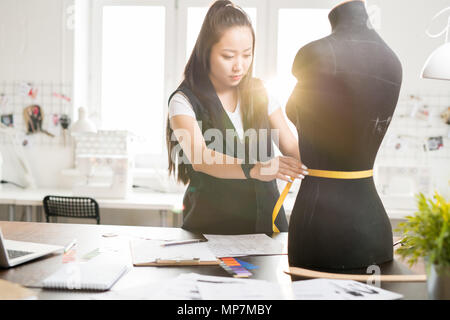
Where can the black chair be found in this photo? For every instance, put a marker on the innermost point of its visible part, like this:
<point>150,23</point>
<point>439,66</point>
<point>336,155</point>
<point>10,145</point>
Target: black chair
<point>71,207</point>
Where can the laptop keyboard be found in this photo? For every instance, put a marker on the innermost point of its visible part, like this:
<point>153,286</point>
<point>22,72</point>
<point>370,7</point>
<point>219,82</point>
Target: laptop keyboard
<point>16,253</point>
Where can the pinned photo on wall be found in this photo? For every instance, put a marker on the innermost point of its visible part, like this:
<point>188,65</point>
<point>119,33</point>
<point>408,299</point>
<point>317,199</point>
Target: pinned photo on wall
<point>8,120</point>
<point>412,104</point>
<point>33,93</point>
<point>61,96</point>
<point>33,117</point>
<point>3,101</point>
<point>64,120</point>
<point>404,143</point>
<point>435,143</point>
<point>24,89</point>
<point>446,116</point>
<point>397,143</point>
<point>421,111</point>
<point>54,127</point>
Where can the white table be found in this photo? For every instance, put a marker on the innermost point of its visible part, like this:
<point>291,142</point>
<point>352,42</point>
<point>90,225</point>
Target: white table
<point>138,200</point>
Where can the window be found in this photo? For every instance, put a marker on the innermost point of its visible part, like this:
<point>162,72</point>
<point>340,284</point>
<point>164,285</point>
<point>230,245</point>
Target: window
<point>133,55</point>
<point>195,16</point>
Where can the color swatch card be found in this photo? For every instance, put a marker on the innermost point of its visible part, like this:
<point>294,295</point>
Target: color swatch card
<point>234,268</point>
<point>247,265</point>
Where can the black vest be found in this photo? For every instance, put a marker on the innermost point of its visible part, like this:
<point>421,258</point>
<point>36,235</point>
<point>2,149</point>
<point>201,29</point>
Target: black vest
<point>226,206</point>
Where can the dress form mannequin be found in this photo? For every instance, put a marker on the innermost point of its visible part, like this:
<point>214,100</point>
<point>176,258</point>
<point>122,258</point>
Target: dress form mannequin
<point>336,3</point>
<point>347,90</point>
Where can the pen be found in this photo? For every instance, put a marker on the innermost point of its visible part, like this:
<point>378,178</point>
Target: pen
<point>70,246</point>
<point>174,243</point>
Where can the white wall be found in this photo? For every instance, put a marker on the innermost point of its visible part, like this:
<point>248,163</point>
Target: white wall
<point>403,26</point>
<point>36,45</point>
<point>34,41</point>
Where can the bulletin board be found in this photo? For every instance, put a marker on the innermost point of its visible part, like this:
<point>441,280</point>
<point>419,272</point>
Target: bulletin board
<point>415,152</point>
<point>419,130</point>
<point>38,111</point>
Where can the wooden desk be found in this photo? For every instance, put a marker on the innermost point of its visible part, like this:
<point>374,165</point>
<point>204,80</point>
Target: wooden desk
<point>90,237</point>
<point>136,200</point>
<point>164,203</point>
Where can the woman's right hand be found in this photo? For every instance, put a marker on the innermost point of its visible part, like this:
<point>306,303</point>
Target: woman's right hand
<point>280,167</point>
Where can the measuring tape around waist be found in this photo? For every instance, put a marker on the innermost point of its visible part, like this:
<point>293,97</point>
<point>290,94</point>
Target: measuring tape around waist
<point>321,174</point>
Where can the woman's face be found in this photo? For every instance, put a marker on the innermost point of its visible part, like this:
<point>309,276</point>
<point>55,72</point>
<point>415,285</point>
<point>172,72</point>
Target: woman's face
<point>231,57</point>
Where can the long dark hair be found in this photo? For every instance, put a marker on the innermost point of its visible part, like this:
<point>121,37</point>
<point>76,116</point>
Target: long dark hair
<point>222,15</point>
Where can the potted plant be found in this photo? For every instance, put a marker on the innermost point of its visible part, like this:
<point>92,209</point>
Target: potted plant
<point>426,235</point>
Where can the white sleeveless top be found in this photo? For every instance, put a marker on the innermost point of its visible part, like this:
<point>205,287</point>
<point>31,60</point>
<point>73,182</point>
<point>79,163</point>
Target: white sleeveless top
<point>180,105</point>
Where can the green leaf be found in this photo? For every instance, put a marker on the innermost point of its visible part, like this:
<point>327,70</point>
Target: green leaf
<point>427,232</point>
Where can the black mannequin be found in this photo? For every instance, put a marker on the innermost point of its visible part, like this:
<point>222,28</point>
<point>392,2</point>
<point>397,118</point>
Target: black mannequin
<point>347,90</point>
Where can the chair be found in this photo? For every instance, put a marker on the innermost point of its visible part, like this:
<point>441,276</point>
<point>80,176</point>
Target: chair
<point>72,207</point>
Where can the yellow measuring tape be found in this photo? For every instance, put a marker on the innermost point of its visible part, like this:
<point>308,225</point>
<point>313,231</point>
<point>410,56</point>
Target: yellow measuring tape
<point>322,174</point>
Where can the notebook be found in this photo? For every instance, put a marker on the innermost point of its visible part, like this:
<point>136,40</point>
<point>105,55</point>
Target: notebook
<point>85,276</point>
<point>151,253</point>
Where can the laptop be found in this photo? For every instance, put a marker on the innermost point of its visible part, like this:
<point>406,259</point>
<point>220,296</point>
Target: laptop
<point>13,252</point>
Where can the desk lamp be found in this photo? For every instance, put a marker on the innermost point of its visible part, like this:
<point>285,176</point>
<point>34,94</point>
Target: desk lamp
<point>437,65</point>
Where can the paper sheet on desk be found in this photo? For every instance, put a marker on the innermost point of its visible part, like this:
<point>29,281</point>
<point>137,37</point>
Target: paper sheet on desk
<point>243,245</point>
<point>328,289</point>
<point>193,286</point>
<point>182,287</point>
<point>150,251</point>
<point>248,289</point>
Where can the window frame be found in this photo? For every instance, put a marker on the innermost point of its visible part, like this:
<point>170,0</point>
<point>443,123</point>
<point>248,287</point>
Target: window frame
<point>95,72</point>
<point>175,29</point>
<point>272,37</point>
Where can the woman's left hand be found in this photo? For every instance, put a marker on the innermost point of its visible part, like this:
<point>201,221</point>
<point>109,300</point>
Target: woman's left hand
<point>281,167</point>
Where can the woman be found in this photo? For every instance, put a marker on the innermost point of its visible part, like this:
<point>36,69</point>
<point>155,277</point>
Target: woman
<point>232,187</point>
